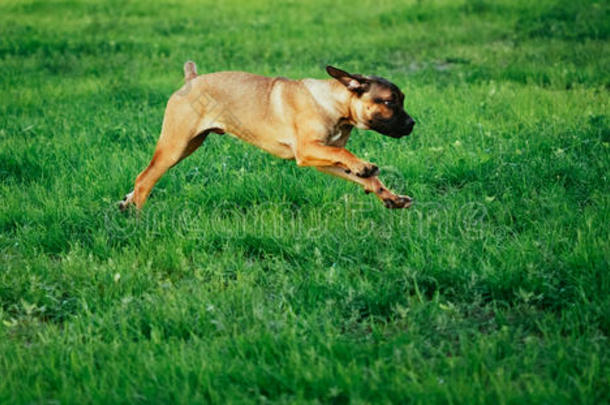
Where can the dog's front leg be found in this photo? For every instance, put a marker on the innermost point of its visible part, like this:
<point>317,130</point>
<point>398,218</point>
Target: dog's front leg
<point>372,185</point>
<point>318,154</point>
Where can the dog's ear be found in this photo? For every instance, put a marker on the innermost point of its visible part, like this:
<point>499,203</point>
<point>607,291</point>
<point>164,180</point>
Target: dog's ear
<point>355,83</point>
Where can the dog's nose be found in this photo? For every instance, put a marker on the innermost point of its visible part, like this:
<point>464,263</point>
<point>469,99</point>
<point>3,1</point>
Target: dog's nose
<point>410,123</point>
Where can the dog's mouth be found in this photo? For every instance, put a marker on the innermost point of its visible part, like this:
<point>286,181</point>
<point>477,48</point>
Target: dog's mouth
<point>396,131</point>
<point>400,133</point>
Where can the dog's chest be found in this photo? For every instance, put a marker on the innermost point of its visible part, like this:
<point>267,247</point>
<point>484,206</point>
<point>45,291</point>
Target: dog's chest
<point>338,136</point>
<point>335,137</point>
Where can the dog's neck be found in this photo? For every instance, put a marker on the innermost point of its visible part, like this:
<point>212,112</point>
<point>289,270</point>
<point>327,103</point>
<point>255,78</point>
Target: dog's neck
<point>334,99</point>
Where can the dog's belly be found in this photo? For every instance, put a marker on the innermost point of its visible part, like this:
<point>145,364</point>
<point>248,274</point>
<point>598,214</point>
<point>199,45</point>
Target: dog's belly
<point>280,148</point>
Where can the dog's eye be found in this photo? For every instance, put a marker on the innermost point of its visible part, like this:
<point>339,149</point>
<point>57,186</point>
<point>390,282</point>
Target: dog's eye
<point>382,101</point>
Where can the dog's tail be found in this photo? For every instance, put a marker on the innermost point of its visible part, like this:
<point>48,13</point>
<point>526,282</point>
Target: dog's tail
<point>190,71</point>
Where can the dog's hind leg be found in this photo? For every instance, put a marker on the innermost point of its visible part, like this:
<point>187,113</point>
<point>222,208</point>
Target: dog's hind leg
<point>167,155</point>
<point>180,137</point>
<point>371,185</point>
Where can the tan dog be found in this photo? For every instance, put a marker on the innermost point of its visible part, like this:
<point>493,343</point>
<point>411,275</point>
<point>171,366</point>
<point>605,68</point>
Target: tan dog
<point>307,120</point>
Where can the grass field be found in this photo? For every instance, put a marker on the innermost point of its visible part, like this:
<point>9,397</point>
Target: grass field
<point>247,279</point>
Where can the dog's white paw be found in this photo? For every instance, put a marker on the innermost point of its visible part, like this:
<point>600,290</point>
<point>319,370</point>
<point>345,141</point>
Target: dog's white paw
<point>126,201</point>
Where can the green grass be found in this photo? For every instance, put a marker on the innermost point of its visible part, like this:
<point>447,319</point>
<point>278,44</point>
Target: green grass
<point>247,279</point>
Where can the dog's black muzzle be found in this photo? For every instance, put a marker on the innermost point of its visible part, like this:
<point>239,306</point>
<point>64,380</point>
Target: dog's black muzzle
<point>398,130</point>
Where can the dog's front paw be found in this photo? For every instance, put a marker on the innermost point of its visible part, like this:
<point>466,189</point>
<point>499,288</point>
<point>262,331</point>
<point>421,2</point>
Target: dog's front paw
<point>366,169</point>
<point>398,201</point>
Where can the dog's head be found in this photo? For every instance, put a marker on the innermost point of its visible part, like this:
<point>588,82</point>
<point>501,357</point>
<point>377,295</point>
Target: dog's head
<point>378,105</point>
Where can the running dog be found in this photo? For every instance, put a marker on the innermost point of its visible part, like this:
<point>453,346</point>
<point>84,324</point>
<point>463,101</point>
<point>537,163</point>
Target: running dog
<point>307,120</point>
